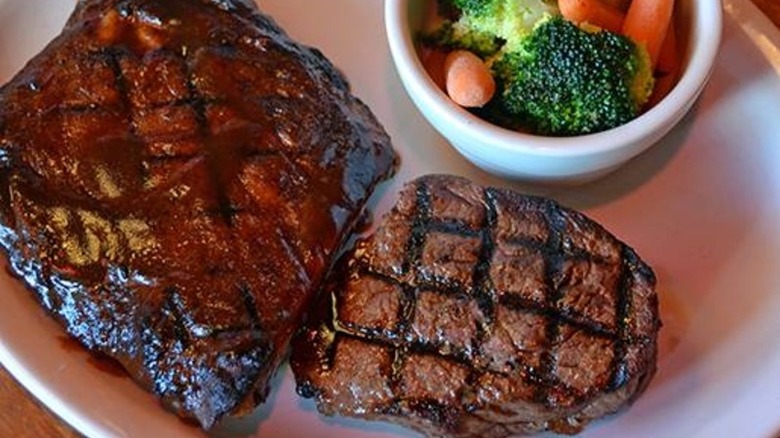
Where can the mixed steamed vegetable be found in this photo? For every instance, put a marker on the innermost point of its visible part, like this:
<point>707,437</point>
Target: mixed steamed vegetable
<point>553,67</point>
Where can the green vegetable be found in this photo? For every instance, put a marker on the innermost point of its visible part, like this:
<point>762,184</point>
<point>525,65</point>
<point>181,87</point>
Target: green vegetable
<point>553,77</point>
<point>508,20</point>
<point>487,26</point>
<point>564,80</point>
<point>454,36</point>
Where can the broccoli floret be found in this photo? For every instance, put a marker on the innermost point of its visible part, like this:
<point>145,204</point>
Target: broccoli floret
<point>452,36</point>
<point>477,7</point>
<point>564,80</point>
<point>486,27</point>
<point>508,20</point>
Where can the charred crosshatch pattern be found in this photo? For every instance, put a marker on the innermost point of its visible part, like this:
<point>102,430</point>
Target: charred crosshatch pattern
<point>195,147</point>
<point>168,123</point>
<point>497,293</point>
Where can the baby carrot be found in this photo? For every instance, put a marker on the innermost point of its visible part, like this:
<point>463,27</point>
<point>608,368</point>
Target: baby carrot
<point>663,85</point>
<point>433,59</point>
<point>647,22</point>
<point>669,57</point>
<point>620,5</point>
<point>468,79</point>
<point>594,12</point>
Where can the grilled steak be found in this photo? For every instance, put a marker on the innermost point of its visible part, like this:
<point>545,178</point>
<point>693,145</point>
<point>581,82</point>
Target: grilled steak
<point>479,312</point>
<point>175,178</point>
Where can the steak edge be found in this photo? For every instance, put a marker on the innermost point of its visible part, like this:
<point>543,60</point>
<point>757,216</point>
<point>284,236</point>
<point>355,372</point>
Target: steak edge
<point>480,312</point>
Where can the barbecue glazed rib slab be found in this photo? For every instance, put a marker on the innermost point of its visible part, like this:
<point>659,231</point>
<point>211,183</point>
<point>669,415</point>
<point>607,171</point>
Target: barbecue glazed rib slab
<point>479,312</point>
<point>175,177</point>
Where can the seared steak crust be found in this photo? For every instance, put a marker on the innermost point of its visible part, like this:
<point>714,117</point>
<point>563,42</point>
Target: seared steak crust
<point>479,312</point>
<point>175,177</point>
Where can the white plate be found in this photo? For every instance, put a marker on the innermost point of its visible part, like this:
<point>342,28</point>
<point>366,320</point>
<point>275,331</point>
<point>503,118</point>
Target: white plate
<point>702,208</point>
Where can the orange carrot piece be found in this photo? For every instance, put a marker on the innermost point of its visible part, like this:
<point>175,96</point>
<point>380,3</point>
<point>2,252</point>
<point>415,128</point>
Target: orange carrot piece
<point>620,5</point>
<point>663,85</point>
<point>432,59</point>
<point>669,56</point>
<point>469,82</point>
<point>647,22</point>
<point>595,12</point>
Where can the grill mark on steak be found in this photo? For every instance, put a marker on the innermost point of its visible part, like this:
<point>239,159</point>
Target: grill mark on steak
<point>177,312</point>
<point>559,399</point>
<point>414,249</point>
<point>483,288</point>
<point>193,147</point>
<point>552,270</point>
<point>622,315</point>
<point>226,210</point>
<point>112,57</point>
<point>421,218</point>
<point>558,316</point>
<point>620,373</point>
<point>251,307</point>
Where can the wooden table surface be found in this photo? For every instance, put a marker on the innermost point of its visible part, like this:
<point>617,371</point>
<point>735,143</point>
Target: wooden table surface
<point>21,415</point>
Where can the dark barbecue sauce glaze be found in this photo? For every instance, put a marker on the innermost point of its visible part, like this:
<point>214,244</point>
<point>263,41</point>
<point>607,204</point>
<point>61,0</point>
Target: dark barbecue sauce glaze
<point>99,361</point>
<point>175,177</point>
